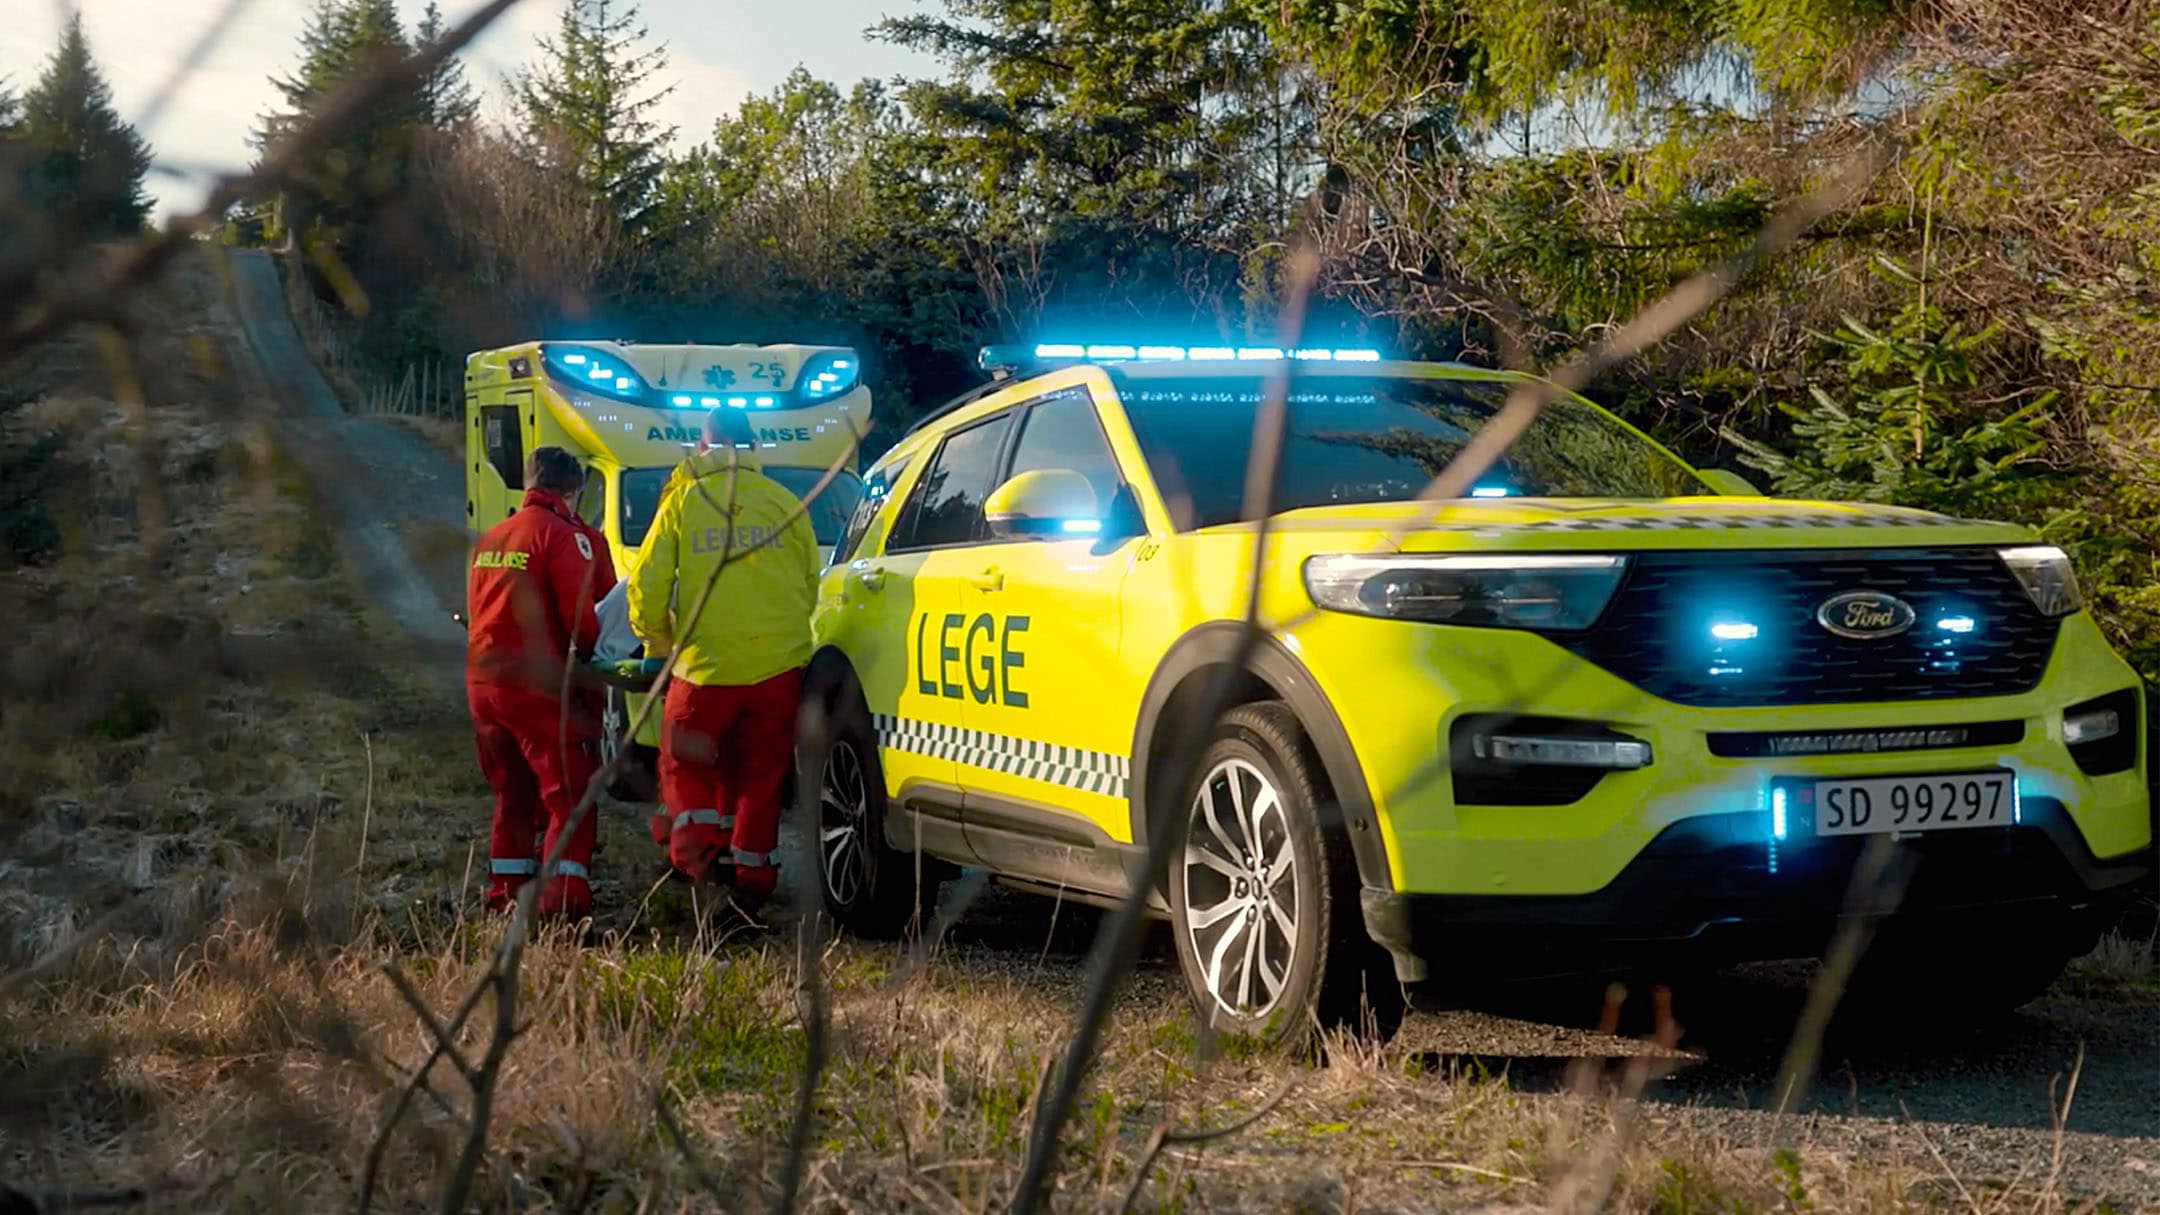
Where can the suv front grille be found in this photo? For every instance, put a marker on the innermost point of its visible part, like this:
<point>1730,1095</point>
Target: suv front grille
<point>1975,632</point>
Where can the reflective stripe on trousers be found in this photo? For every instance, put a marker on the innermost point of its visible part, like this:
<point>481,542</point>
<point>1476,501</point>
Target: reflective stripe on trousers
<point>513,867</point>
<point>571,869</point>
<point>689,818</point>
<point>749,859</point>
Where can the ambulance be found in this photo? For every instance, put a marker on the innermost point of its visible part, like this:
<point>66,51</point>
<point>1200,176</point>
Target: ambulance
<point>630,412</point>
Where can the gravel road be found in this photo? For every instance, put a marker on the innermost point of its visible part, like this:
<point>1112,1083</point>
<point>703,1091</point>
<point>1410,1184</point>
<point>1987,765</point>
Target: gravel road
<point>388,489</point>
<point>1975,1105</point>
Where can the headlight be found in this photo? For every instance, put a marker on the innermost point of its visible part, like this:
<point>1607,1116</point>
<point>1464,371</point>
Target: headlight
<point>593,370</point>
<point>1550,592</point>
<point>2044,571</point>
<point>827,375</point>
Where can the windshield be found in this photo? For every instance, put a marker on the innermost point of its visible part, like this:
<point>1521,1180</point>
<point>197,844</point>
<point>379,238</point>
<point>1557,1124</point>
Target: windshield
<point>828,515</point>
<point>1378,439</point>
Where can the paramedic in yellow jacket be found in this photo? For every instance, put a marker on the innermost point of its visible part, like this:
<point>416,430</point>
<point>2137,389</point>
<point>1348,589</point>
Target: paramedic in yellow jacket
<point>728,734</point>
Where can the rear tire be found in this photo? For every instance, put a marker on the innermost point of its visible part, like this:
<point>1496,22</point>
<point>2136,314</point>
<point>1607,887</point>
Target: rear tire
<point>1263,895</point>
<point>866,886</point>
<point>637,778</point>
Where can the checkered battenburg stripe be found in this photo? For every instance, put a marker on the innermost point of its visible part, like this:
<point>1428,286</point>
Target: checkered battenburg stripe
<point>1072,767</point>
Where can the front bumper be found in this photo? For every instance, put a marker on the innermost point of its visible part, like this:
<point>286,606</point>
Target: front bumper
<point>1398,688</point>
<point>1714,889</point>
<point>1677,855</point>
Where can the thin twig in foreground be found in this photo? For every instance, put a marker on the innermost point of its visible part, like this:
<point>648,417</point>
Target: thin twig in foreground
<point>810,968</point>
<point>695,1163</point>
<point>1165,1134</point>
<point>490,1071</point>
<point>1118,941</point>
<point>373,1165</point>
<point>445,1046</point>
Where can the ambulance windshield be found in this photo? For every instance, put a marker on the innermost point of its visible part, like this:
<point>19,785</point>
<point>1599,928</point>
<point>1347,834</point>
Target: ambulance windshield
<point>828,515</point>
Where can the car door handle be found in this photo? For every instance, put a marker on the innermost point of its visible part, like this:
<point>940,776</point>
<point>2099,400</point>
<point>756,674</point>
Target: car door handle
<point>871,579</point>
<point>990,579</point>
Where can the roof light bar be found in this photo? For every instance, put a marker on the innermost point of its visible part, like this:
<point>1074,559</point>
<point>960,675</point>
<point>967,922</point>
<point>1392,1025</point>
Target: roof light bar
<point>1118,352</point>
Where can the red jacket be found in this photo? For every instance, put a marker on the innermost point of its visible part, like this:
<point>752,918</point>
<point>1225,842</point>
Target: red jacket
<point>534,579</point>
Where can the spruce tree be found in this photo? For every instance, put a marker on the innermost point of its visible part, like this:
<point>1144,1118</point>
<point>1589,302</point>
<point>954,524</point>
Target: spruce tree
<point>586,106</point>
<point>81,166</point>
<point>446,100</point>
<point>338,185</point>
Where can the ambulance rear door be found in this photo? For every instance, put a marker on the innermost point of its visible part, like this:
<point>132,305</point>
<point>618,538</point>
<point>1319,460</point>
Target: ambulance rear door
<point>501,430</point>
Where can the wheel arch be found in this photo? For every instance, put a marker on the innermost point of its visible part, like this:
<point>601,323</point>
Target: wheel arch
<point>830,675</point>
<point>1181,684</point>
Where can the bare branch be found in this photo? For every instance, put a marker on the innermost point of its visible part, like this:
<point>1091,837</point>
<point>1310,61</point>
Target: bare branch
<point>810,966</point>
<point>1164,1135</point>
<point>1119,938</point>
<point>445,1045</point>
<point>694,1162</point>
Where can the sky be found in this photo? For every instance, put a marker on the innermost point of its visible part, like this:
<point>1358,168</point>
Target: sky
<point>719,51</point>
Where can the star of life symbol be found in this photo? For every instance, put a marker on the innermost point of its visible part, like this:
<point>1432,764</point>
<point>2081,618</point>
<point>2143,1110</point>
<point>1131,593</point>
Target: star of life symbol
<point>719,377</point>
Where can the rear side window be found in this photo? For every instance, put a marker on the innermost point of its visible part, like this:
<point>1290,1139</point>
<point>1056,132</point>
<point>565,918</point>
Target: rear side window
<point>946,507</point>
<point>875,488</point>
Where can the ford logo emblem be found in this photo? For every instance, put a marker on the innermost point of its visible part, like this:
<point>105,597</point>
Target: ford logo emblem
<point>1865,615</point>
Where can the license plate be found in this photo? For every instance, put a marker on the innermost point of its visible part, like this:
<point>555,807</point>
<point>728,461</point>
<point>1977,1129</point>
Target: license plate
<point>1897,804</point>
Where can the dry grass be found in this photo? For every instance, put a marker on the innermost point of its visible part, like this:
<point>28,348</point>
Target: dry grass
<point>259,1067</point>
<point>444,433</point>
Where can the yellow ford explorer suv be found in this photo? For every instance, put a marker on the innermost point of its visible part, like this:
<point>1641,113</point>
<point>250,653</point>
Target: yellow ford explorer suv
<point>1605,709</point>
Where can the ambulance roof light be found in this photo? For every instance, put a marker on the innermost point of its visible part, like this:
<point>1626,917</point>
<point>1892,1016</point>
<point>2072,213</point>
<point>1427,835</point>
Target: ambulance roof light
<point>594,371</point>
<point>824,376</point>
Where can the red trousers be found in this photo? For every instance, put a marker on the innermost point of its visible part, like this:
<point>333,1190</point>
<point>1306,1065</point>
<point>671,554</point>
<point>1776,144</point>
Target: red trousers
<point>724,752</point>
<point>538,783</point>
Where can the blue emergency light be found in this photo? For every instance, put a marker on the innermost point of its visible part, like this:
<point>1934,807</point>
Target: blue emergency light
<point>1007,358</point>
<point>825,375</point>
<point>594,371</point>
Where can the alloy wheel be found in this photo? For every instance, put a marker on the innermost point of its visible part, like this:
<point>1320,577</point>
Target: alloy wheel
<point>614,724</point>
<point>843,817</point>
<point>1240,885</point>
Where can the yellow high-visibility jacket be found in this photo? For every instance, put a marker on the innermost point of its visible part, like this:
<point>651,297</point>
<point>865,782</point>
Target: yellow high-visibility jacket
<point>757,622</point>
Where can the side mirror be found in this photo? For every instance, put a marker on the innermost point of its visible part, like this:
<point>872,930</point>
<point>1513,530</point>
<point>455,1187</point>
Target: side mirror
<point>1043,502</point>
<point>1729,483</point>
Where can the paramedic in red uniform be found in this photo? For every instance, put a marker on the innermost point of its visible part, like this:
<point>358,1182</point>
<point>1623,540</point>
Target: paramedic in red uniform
<point>534,580</point>
<point>728,736</point>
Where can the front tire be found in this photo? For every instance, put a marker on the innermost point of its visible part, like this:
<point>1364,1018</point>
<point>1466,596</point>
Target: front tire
<point>867,887</point>
<point>1262,894</point>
